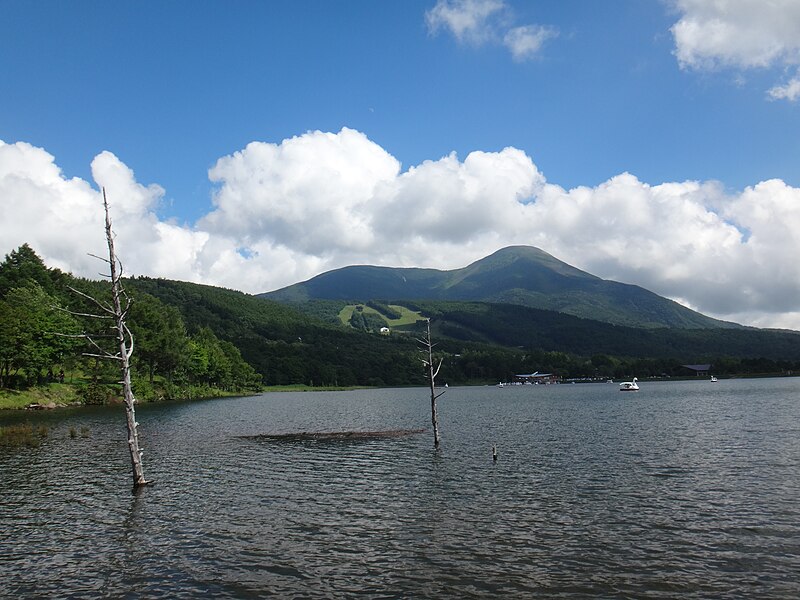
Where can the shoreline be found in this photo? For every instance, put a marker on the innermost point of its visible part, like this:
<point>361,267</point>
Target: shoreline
<point>56,396</point>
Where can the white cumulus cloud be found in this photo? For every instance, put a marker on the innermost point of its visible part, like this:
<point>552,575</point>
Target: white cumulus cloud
<point>273,191</point>
<point>526,41</point>
<point>482,21</point>
<point>467,20</point>
<point>284,212</point>
<point>62,218</point>
<point>739,34</point>
<point>790,91</point>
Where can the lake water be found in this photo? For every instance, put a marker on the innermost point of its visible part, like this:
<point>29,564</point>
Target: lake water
<point>682,490</point>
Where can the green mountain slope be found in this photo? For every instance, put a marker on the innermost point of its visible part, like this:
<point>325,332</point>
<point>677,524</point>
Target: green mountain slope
<point>362,282</point>
<point>197,335</point>
<point>520,275</point>
<point>288,346</point>
<point>285,345</point>
<point>513,326</point>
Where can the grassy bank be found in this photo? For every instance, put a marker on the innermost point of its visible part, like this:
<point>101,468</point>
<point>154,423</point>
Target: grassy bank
<point>56,395</point>
<point>65,394</point>
<point>60,394</point>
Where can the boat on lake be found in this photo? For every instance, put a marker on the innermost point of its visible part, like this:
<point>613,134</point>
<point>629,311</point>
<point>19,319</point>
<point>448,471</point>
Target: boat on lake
<point>713,379</point>
<point>629,386</point>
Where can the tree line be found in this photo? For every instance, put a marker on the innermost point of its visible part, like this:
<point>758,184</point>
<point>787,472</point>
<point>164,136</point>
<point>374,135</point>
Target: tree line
<point>40,319</point>
<point>194,340</point>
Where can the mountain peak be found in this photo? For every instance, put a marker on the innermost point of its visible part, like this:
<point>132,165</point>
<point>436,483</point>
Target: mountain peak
<point>523,275</point>
<point>529,257</point>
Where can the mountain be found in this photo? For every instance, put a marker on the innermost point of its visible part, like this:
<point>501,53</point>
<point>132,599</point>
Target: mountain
<point>193,337</point>
<point>521,275</point>
<point>482,341</point>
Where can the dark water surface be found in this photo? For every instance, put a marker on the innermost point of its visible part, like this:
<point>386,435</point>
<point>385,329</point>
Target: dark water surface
<point>682,490</point>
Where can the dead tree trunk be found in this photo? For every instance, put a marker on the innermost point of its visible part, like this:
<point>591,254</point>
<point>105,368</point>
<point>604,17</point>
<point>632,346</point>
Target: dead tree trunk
<point>125,342</point>
<point>123,339</point>
<point>431,373</point>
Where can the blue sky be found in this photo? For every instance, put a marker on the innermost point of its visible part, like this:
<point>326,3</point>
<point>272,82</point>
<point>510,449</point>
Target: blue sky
<point>696,114</point>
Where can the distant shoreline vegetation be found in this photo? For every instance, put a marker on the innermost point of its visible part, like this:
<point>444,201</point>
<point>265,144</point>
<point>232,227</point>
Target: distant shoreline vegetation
<point>44,398</point>
<point>197,341</point>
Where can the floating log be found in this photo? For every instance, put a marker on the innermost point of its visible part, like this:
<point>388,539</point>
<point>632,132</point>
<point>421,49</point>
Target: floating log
<point>333,435</point>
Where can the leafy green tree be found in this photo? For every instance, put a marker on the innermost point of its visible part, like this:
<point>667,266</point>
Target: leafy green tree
<point>14,337</point>
<point>197,365</point>
<point>242,375</point>
<point>22,266</point>
<point>174,343</point>
<point>30,328</point>
<point>218,363</point>
<point>160,335</point>
<point>357,321</point>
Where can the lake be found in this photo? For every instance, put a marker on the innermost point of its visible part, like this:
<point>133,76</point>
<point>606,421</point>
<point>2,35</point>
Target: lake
<point>685,489</point>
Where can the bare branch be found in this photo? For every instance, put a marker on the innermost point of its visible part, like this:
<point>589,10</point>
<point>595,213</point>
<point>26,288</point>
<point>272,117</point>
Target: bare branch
<point>80,314</point>
<point>69,335</point>
<point>105,260</point>
<point>437,369</point>
<point>100,305</point>
<point>103,356</point>
<point>130,337</point>
<point>96,345</point>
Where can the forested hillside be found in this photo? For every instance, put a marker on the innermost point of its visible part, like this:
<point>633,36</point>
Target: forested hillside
<point>519,326</point>
<point>579,342</point>
<point>285,345</point>
<point>195,340</point>
<point>41,320</point>
<point>521,275</point>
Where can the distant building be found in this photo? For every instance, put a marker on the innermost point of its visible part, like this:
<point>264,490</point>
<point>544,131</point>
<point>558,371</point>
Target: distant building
<point>698,369</point>
<point>537,378</point>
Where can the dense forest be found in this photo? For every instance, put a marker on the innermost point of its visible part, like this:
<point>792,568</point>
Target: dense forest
<point>44,313</point>
<point>194,340</point>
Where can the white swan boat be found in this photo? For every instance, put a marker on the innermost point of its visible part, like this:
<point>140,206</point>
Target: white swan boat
<point>629,386</point>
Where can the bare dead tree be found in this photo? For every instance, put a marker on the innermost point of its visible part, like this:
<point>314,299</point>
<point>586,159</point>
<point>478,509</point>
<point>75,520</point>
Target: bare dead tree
<point>116,313</point>
<point>431,373</point>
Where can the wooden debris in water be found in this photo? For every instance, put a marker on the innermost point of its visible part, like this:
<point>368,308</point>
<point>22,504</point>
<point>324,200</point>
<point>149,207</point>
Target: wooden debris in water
<point>333,435</point>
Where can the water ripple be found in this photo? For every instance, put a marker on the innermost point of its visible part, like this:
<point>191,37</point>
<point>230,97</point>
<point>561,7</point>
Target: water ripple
<point>669,494</point>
